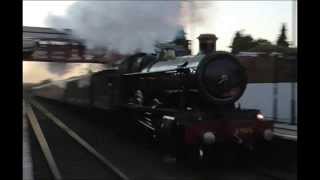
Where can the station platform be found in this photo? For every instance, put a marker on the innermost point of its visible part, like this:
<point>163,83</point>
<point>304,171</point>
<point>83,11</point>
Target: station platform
<point>26,156</point>
<point>286,131</point>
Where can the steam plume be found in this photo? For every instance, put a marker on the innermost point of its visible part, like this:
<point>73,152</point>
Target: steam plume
<point>122,26</point>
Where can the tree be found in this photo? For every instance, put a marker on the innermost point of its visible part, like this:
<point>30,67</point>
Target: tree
<point>262,45</point>
<point>282,40</point>
<point>267,48</point>
<point>241,42</point>
<point>262,42</point>
<point>180,38</point>
<point>180,35</point>
<point>235,43</point>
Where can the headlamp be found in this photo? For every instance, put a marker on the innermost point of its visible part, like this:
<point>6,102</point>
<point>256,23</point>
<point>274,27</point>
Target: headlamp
<point>260,116</point>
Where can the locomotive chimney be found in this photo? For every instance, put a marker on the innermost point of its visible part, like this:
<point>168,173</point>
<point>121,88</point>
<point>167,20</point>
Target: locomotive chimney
<point>207,43</point>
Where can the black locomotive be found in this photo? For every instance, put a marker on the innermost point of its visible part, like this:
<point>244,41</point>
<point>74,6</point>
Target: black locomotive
<point>185,102</point>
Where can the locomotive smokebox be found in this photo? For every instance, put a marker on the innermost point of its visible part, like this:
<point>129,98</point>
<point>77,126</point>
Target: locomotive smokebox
<point>207,43</point>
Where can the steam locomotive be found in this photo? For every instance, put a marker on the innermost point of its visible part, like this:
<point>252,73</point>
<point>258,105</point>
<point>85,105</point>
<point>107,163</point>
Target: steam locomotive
<point>185,102</point>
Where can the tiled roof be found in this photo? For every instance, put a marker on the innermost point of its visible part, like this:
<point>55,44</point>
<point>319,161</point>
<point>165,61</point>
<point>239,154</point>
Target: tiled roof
<point>43,33</point>
<point>41,30</point>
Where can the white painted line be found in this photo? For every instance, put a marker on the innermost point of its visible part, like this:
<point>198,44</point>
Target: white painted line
<point>43,143</point>
<point>286,126</point>
<point>81,141</point>
<point>27,172</point>
<point>286,136</point>
<point>284,131</point>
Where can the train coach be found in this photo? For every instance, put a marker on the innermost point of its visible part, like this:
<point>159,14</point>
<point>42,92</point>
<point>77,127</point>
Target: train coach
<point>187,102</point>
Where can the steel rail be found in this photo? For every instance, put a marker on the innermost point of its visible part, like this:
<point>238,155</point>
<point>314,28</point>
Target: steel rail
<point>81,141</point>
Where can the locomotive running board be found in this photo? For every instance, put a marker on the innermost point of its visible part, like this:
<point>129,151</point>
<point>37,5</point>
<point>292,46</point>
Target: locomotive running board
<point>149,109</point>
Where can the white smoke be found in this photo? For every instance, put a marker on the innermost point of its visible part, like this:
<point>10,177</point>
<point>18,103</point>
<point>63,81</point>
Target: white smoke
<point>198,17</point>
<point>122,26</point>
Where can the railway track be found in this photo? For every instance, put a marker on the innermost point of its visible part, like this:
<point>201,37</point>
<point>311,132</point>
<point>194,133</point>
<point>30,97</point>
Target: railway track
<point>56,173</point>
<point>138,161</point>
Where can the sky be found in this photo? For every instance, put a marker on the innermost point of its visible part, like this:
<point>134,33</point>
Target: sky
<point>260,19</point>
<point>35,12</point>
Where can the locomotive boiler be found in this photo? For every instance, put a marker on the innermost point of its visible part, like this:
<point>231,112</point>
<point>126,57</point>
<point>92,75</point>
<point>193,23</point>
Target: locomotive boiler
<point>185,103</point>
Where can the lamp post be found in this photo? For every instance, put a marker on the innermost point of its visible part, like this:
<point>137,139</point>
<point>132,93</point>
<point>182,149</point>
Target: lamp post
<point>293,90</point>
<point>275,89</point>
<point>293,105</point>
